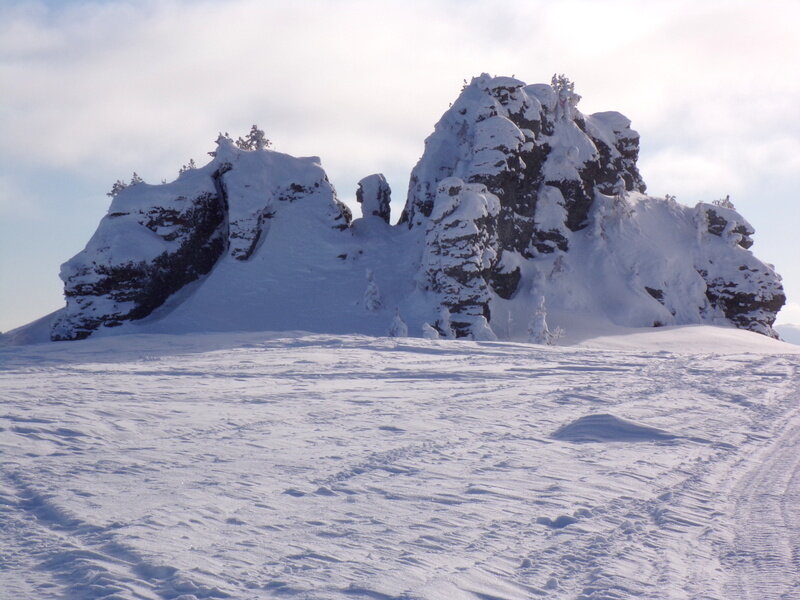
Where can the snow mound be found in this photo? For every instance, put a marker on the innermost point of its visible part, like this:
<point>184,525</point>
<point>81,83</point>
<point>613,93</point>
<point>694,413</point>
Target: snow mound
<point>608,428</point>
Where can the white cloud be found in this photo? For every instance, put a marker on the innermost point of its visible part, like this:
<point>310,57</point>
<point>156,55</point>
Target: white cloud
<point>789,314</point>
<point>154,80</point>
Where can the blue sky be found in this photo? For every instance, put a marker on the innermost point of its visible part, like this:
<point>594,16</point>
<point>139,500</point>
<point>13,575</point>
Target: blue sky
<point>92,91</point>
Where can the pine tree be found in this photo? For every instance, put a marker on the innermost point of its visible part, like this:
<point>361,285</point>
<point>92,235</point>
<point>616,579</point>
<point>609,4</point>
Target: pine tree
<point>566,98</point>
<point>372,295</point>
<point>188,167</point>
<point>257,140</point>
<point>135,180</point>
<point>398,328</point>
<point>538,331</point>
<point>724,202</point>
<point>118,186</point>
<point>429,332</point>
<point>220,138</point>
<point>620,189</point>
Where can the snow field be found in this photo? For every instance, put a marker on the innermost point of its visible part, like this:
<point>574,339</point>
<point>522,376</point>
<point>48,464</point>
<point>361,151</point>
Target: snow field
<point>258,465</point>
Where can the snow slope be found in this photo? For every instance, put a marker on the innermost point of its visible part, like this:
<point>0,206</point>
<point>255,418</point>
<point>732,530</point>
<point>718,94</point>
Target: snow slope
<point>657,463</point>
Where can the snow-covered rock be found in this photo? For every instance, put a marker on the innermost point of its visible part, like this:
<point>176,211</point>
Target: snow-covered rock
<point>460,247</point>
<point>573,222</point>
<point>157,239</point>
<point>374,195</point>
<point>517,196</point>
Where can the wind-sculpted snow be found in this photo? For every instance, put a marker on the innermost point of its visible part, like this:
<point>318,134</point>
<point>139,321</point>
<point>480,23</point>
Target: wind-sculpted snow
<point>608,428</point>
<point>552,206</point>
<point>258,465</point>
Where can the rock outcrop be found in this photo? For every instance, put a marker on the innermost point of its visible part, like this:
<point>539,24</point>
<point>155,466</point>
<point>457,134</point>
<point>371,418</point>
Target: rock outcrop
<point>460,248</point>
<point>564,178</point>
<point>518,199</point>
<point>157,239</point>
<point>375,197</point>
<point>530,146</point>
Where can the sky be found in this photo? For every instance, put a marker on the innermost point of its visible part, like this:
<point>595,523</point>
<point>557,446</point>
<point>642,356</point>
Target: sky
<point>91,91</point>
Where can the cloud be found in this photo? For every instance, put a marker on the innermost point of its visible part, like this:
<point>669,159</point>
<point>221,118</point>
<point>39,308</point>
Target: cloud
<point>789,314</point>
<point>114,84</point>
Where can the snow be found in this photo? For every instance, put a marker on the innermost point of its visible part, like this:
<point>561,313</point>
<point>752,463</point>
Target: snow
<point>654,463</point>
<point>608,428</point>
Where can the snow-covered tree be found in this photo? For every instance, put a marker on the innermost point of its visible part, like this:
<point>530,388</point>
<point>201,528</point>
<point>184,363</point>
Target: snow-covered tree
<point>538,331</point>
<point>118,186</point>
<point>135,180</point>
<point>398,327</point>
<point>187,167</point>
<point>443,323</point>
<point>481,331</point>
<point>255,140</point>
<point>724,202</point>
<point>372,295</point>
<point>567,99</point>
<point>620,190</point>
<point>220,138</point>
<point>429,332</point>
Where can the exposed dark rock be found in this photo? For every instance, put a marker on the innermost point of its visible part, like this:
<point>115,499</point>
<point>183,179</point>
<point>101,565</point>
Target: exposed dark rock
<point>727,222</point>
<point>505,281</point>
<point>108,294</point>
<point>754,310</point>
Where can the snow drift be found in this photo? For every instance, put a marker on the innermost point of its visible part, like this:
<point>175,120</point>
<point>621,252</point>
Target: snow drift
<point>518,196</point>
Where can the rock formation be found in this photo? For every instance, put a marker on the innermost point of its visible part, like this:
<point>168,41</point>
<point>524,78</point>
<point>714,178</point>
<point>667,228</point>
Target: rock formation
<point>518,199</point>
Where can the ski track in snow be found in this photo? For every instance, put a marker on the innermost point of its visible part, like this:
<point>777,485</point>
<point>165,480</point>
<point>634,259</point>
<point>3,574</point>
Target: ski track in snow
<point>261,466</point>
<point>765,551</point>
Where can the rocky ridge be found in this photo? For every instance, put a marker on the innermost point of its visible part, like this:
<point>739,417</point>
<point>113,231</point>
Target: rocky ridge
<point>518,196</point>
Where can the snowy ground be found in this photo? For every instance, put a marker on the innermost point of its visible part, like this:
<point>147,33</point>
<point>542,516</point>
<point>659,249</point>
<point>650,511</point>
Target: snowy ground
<point>663,464</point>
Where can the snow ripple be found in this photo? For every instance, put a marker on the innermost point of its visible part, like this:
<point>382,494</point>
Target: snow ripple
<point>257,466</point>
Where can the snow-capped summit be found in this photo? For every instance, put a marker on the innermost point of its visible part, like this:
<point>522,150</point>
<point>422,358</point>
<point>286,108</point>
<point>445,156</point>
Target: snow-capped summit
<point>518,201</point>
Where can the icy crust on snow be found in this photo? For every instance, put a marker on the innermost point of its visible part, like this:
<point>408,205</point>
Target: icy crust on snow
<point>517,197</point>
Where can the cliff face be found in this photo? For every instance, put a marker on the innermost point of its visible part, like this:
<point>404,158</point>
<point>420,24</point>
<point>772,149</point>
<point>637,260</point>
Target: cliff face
<point>518,197</point>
